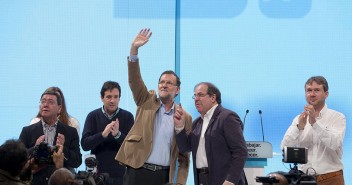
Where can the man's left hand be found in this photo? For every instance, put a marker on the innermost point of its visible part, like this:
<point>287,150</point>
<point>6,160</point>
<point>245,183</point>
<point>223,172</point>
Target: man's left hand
<point>179,117</point>
<point>115,127</point>
<point>58,156</point>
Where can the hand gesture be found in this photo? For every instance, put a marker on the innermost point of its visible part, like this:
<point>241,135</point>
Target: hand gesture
<point>40,139</point>
<point>179,117</point>
<point>115,127</point>
<point>60,139</point>
<point>311,112</point>
<point>141,39</point>
<point>107,130</point>
<point>112,128</point>
<point>302,121</point>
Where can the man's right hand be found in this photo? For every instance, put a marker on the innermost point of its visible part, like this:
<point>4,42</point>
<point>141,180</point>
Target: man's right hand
<point>107,130</point>
<point>141,39</point>
<point>302,120</point>
<point>112,127</point>
<point>40,139</point>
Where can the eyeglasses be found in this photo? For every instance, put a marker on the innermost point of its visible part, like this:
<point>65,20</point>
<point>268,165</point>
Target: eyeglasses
<point>200,95</point>
<point>167,83</point>
<point>44,101</point>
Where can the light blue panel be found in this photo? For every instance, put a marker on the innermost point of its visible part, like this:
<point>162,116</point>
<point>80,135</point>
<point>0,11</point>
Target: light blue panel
<point>200,9</point>
<point>285,8</point>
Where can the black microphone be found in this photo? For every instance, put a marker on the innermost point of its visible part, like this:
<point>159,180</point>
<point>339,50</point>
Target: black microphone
<point>244,120</point>
<point>261,123</point>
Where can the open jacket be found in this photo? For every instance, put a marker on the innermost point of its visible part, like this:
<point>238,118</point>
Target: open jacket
<point>137,145</point>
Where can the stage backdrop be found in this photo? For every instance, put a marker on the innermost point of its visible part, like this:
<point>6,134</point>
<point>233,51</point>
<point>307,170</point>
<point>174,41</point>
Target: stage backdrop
<point>259,53</point>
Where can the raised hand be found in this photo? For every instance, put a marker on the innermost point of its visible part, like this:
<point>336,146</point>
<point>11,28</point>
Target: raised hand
<point>141,39</point>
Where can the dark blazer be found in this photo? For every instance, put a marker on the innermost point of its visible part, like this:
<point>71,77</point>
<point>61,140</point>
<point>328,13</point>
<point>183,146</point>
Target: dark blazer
<point>71,149</point>
<point>224,144</point>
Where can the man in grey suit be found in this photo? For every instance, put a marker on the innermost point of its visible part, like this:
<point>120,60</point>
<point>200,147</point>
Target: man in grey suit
<point>218,147</point>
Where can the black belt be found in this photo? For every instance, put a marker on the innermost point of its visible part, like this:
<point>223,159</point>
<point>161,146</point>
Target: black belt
<point>154,167</point>
<point>203,170</point>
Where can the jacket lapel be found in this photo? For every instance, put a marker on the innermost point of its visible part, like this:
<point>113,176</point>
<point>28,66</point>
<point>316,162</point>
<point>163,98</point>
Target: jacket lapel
<point>213,118</point>
<point>39,128</point>
<point>59,129</point>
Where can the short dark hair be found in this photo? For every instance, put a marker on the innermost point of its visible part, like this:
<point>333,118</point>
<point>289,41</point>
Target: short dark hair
<point>13,156</point>
<point>212,89</point>
<point>51,92</point>
<point>178,81</point>
<point>109,85</point>
<point>319,80</point>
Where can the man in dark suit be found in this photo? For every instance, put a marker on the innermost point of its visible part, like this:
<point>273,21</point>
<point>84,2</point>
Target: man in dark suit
<point>218,147</point>
<point>51,131</point>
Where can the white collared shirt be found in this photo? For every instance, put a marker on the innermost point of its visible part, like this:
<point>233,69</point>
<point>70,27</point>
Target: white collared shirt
<point>49,132</point>
<point>323,140</point>
<point>201,157</point>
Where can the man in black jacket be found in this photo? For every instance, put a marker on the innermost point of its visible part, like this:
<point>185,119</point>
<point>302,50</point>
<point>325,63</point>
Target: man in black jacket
<point>49,131</point>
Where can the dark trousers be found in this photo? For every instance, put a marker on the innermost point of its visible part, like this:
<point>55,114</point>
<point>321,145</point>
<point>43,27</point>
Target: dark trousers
<point>142,176</point>
<point>114,181</point>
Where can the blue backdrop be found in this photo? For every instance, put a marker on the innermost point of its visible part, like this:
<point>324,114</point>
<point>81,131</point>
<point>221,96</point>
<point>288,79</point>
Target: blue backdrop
<point>259,53</point>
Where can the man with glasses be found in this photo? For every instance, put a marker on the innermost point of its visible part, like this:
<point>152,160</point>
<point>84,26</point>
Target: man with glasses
<point>49,131</point>
<point>149,150</point>
<point>105,129</point>
<point>218,147</point>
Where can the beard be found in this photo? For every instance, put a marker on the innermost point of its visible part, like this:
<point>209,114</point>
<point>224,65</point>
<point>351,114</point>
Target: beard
<point>165,98</point>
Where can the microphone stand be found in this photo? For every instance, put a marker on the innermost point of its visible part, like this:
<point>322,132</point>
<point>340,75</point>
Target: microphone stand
<point>261,123</point>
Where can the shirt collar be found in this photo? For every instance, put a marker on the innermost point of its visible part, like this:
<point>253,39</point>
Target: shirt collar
<point>162,106</point>
<point>110,116</point>
<point>47,125</point>
<point>210,112</point>
<point>323,111</point>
